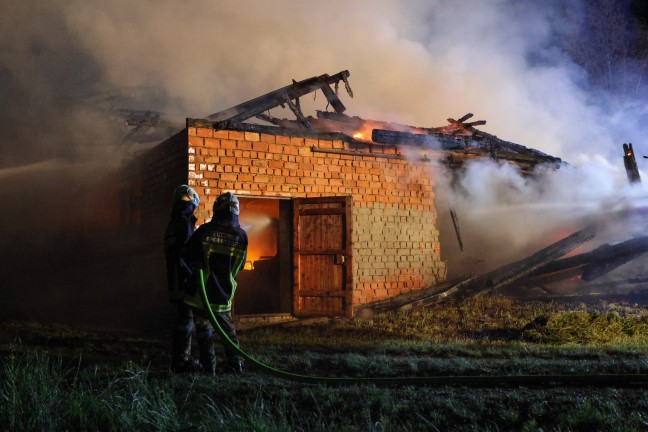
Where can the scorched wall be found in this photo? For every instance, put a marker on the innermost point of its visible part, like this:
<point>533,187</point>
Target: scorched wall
<point>395,240</point>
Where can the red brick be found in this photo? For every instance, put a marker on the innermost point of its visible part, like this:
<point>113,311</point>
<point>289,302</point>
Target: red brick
<point>228,144</point>
<point>220,133</point>
<point>275,148</point>
<point>280,139</point>
<point>251,136</point>
<point>236,135</point>
<point>268,138</point>
<point>228,160</point>
<point>260,146</point>
<point>228,177</point>
<point>196,141</point>
<point>203,132</point>
<point>245,145</point>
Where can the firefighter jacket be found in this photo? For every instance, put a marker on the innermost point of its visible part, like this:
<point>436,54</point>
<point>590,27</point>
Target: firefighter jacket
<point>178,232</point>
<point>218,247</point>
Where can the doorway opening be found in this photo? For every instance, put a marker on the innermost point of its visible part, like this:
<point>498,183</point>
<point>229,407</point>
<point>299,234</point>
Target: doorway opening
<point>265,283</point>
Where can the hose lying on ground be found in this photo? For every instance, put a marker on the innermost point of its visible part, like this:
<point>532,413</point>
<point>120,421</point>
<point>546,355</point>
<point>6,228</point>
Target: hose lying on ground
<point>476,380</point>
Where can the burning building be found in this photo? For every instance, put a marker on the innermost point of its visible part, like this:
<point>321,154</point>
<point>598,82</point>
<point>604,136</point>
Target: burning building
<point>340,210</point>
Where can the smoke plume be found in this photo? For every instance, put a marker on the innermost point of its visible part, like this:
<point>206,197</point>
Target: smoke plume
<point>65,65</point>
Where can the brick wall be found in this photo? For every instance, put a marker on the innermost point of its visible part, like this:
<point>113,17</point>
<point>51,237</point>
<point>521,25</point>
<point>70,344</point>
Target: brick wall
<point>396,244</point>
<point>162,169</point>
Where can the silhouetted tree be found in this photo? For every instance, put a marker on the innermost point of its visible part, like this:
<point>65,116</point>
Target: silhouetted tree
<point>610,43</point>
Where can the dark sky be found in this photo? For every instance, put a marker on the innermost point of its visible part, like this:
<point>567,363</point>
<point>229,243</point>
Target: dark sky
<point>639,8</point>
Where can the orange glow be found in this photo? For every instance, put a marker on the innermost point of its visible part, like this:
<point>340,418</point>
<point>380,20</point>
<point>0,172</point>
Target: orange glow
<point>259,218</point>
<point>365,130</point>
<point>255,252</point>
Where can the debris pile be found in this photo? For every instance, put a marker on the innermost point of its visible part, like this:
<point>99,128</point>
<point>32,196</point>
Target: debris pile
<point>537,272</point>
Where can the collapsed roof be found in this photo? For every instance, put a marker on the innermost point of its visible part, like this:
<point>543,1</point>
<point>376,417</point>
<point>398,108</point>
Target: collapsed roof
<point>459,140</point>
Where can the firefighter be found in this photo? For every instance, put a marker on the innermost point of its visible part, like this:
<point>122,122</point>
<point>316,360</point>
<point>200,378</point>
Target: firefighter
<point>178,232</point>
<point>219,247</point>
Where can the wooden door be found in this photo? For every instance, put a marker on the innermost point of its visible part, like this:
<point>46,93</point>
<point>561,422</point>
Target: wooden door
<point>323,259</point>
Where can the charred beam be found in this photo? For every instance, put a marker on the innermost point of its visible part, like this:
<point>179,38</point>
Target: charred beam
<point>297,111</point>
<point>512,272</point>
<point>415,299</point>
<point>455,223</point>
<point>278,97</point>
<point>464,118</point>
<point>332,98</point>
<point>461,124</point>
<point>631,164</point>
<point>384,136</point>
<point>599,256</point>
<point>611,287</point>
<point>338,117</point>
<point>547,279</point>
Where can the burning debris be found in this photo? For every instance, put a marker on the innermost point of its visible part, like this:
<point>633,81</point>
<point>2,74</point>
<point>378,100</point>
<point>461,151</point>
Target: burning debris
<point>458,142</point>
<point>631,164</point>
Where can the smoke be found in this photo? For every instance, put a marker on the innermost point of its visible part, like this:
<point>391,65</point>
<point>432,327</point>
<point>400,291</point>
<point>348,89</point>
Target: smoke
<point>417,63</point>
<point>65,64</point>
<point>504,216</point>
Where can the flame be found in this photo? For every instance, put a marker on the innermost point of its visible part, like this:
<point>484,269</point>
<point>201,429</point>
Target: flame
<point>364,134</point>
<point>255,253</point>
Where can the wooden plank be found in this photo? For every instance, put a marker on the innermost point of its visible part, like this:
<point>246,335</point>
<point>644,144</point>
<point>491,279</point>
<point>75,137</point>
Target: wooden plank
<point>322,211</point>
<point>332,98</point>
<point>321,251</point>
<point>348,255</point>
<point>270,100</point>
<point>514,271</point>
<point>401,301</point>
<point>465,117</point>
<point>422,140</point>
<point>322,282</point>
<point>307,293</point>
<point>601,255</point>
<point>549,278</point>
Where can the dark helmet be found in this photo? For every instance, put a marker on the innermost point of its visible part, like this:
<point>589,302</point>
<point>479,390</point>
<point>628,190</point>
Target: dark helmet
<point>186,194</point>
<point>227,201</point>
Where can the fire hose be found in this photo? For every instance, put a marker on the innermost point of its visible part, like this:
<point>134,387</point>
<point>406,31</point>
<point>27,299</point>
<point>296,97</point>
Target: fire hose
<point>474,380</point>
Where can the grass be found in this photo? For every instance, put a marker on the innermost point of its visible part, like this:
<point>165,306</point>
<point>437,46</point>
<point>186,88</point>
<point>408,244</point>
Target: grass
<point>55,378</point>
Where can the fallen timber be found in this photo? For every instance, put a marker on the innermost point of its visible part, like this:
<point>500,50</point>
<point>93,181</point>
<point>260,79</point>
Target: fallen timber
<point>587,266</point>
<point>510,273</point>
<point>415,299</point>
<point>469,285</point>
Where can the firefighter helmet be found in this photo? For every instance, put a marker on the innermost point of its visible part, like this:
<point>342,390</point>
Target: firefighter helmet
<point>186,194</point>
<point>227,201</point>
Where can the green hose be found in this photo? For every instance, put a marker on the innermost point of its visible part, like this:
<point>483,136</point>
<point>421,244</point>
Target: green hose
<point>477,380</point>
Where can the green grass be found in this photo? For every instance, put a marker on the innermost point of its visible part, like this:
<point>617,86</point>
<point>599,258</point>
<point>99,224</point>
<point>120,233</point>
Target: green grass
<point>54,378</point>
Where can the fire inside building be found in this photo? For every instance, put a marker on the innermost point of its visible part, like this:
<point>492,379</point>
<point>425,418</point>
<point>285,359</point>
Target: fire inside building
<point>340,210</point>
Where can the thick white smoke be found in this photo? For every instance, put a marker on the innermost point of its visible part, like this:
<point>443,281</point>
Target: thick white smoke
<point>415,62</point>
